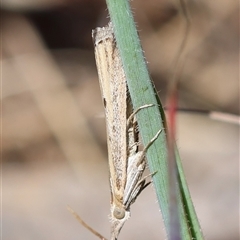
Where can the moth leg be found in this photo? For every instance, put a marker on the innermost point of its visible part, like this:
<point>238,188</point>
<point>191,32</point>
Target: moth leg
<point>131,117</point>
<point>141,185</point>
<point>132,128</point>
<point>135,169</point>
<point>151,142</point>
<point>143,152</point>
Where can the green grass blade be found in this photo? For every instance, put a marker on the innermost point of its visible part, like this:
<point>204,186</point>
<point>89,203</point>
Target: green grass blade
<point>151,119</point>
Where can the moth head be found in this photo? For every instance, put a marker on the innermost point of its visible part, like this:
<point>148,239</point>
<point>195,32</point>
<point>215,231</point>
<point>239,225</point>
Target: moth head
<point>118,212</point>
<point>119,216</point>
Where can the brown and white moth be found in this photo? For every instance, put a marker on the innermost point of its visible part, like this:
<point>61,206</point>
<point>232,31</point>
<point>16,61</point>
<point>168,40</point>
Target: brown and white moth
<point>126,161</point>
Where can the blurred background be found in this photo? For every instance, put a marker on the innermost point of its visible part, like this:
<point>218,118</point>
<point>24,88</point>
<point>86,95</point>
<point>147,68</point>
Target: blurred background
<point>53,131</point>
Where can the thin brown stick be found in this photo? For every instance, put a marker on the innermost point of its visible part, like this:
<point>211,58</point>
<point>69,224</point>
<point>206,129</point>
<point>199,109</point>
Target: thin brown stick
<point>179,59</point>
<point>174,218</point>
<point>85,224</point>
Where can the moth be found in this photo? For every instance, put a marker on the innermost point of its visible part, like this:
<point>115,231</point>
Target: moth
<point>126,161</point>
